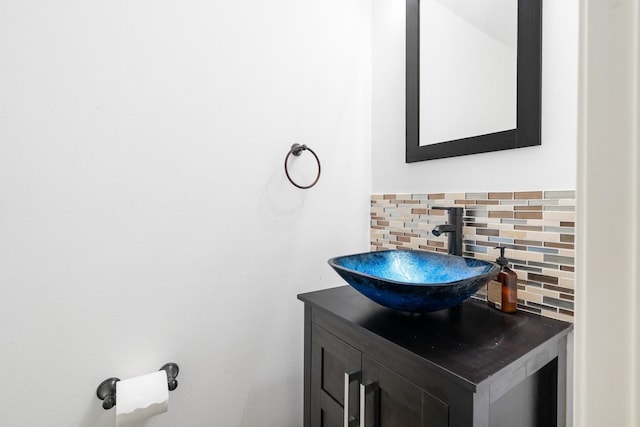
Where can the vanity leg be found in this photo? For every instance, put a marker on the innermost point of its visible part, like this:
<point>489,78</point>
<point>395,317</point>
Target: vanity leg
<point>307,366</point>
<point>562,383</point>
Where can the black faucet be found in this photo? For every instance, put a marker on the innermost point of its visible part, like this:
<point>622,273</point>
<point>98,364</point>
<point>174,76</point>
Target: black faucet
<point>453,227</point>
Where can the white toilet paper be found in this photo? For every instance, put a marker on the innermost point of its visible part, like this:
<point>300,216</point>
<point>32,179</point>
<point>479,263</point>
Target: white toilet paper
<point>141,397</point>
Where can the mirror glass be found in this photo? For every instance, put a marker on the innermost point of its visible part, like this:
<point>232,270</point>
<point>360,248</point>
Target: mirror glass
<point>473,76</point>
<point>474,44</point>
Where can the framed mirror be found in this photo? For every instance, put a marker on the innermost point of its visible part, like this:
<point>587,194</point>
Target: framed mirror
<point>473,76</point>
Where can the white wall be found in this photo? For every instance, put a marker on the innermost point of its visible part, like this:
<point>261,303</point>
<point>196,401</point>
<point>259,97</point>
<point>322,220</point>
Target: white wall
<point>144,212</point>
<point>549,166</point>
<point>608,272</point>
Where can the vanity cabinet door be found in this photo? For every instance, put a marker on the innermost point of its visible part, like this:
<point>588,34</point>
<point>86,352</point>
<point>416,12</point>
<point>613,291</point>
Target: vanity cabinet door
<point>392,401</point>
<point>335,376</point>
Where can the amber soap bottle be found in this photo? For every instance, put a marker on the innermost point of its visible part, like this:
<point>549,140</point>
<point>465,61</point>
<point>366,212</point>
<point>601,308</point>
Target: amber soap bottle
<point>502,292</point>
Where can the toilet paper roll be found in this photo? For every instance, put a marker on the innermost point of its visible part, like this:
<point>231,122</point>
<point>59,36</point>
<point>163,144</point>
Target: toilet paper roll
<point>140,398</point>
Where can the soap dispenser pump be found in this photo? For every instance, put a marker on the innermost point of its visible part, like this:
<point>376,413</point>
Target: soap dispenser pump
<point>502,292</point>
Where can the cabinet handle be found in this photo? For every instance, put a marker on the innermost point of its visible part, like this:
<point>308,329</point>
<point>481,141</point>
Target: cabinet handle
<point>364,390</point>
<point>349,377</point>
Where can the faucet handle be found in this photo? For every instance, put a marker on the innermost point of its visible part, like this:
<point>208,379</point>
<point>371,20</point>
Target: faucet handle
<point>446,208</point>
<point>453,210</point>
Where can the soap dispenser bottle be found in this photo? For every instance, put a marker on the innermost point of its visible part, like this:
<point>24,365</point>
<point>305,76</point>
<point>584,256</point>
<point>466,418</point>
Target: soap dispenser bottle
<point>502,292</point>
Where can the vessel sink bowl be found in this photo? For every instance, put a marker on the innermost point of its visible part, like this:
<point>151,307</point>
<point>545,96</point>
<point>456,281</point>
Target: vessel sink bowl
<point>414,281</point>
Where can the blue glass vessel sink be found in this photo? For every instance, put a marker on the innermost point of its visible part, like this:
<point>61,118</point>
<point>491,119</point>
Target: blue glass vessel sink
<point>414,281</point>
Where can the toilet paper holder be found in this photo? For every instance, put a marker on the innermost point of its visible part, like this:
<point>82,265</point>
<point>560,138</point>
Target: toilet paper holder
<point>107,389</point>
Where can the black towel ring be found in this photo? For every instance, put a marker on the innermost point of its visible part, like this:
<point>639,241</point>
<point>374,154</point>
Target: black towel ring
<point>296,150</point>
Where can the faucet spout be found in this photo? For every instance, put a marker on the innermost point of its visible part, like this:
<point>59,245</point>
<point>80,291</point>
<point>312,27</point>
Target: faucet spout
<point>453,228</point>
<point>444,228</point>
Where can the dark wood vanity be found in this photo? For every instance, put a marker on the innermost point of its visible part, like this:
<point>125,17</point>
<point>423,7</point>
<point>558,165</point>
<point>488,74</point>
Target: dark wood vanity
<point>469,365</point>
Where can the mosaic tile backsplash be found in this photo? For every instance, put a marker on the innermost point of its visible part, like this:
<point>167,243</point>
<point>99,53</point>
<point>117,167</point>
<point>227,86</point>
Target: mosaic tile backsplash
<point>537,227</point>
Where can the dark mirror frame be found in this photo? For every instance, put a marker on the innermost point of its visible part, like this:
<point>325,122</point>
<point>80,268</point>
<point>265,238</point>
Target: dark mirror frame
<point>529,94</point>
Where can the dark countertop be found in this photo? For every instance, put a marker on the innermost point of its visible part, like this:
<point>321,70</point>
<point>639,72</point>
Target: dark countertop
<point>471,341</point>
